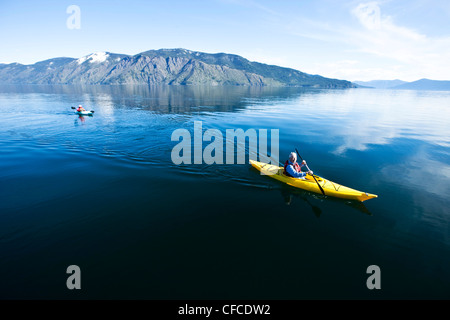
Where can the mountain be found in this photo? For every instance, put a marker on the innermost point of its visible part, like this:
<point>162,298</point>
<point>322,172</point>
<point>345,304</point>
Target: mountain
<point>422,84</point>
<point>164,66</point>
<point>425,84</point>
<point>380,84</point>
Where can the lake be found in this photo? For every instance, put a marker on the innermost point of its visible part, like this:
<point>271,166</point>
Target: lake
<point>102,193</point>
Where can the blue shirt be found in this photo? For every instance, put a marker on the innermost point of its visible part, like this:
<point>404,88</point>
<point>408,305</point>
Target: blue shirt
<point>291,170</point>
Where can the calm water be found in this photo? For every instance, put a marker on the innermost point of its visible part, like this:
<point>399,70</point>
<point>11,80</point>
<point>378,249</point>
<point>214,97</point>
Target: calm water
<point>102,193</point>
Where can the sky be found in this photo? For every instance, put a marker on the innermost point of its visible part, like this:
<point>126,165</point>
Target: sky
<point>347,39</point>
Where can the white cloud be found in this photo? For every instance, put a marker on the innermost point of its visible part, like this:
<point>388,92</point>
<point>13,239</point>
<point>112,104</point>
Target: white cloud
<point>369,15</point>
<point>382,37</point>
<point>382,47</point>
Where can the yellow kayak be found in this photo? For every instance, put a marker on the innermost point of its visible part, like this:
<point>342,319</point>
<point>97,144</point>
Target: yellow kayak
<point>329,187</point>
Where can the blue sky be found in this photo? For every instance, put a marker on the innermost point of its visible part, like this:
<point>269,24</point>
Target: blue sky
<point>353,40</point>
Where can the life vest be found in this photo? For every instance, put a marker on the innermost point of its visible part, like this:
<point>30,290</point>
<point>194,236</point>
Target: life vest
<point>296,167</point>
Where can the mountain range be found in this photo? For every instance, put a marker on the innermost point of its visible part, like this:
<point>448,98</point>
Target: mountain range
<point>380,84</point>
<point>164,66</point>
<point>422,84</point>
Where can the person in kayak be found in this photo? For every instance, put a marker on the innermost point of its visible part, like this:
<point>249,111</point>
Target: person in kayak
<point>293,169</point>
<point>80,108</point>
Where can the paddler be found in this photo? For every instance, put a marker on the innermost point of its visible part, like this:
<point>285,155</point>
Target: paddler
<point>293,169</point>
<point>80,108</point>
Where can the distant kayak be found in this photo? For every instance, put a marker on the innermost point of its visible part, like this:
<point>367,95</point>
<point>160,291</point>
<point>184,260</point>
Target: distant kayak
<point>330,188</point>
<point>85,113</point>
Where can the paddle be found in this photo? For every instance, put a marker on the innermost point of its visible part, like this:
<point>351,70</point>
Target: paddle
<point>317,211</point>
<point>323,192</point>
<point>76,108</point>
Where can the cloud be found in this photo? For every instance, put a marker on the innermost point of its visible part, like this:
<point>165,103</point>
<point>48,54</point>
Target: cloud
<point>382,37</point>
<point>369,15</point>
<point>382,47</point>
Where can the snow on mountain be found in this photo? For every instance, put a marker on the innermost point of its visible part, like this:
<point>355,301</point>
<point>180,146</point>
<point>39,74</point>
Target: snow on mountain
<point>97,57</point>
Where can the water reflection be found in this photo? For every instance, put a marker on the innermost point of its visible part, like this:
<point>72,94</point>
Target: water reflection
<point>393,144</point>
<point>290,194</point>
<point>80,120</point>
<point>357,119</point>
<point>162,99</point>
